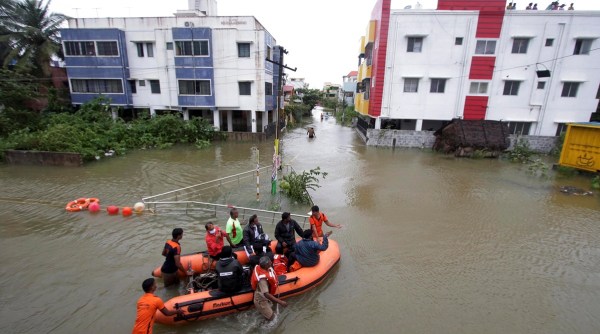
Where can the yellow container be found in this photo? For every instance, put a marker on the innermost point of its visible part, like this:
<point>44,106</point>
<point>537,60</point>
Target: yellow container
<point>581,148</point>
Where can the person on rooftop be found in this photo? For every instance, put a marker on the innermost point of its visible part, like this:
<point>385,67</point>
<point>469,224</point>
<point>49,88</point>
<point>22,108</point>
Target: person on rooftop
<point>571,7</point>
<point>529,6</point>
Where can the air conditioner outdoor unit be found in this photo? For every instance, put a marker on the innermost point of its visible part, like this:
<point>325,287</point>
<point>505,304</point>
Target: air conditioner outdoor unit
<point>188,24</point>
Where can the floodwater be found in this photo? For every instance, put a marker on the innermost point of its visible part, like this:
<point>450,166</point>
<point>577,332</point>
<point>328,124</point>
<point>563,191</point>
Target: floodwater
<point>430,243</point>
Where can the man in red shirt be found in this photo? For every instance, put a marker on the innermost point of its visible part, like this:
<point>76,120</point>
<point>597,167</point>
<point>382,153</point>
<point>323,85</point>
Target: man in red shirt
<point>214,240</point>
<point>316,222</point>
<point>146,309</point>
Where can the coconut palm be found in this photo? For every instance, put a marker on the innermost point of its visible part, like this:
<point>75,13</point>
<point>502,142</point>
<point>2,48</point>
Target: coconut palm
<point>32,34</point>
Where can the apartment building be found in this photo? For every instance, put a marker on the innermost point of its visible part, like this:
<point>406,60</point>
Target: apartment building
<point>194,62</point>
<point>536,70</point>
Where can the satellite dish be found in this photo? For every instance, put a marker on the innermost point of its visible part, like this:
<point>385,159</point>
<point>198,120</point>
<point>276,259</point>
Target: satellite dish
<point>408,7</point>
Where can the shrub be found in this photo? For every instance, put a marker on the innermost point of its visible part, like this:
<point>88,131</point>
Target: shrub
<point>296,186</point>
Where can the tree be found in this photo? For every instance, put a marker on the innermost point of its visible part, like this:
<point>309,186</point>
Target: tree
<point>32,34</point>
<point>311,97</point>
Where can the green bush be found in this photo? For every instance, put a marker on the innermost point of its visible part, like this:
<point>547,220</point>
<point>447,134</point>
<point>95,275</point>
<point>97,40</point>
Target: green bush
<point>296,186</point>
<point>521,152</point>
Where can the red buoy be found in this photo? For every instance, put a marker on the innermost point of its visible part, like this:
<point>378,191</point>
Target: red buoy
<point>112,210</point>
<point>127,211</point>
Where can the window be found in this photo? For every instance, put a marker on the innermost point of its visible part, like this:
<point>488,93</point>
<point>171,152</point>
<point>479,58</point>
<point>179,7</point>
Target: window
<point>561,128</point>
<point>132,86</point>
<point>150,49</point>
<point>411,85</point>
<point>541,85</point>
<point>268,88</point>
<point>84,48</point>
<point>519,128</point>
<point>140,49</point>
<point>438,85</point>
<point>97,86</point>
<point>511,87</point>
<point>458,41</point>
<point>244,50</point>
<point>268,52</point>
<point>520,45</point>
<point>194,87</point>
<point>142,83</point>
<point>569,89</point>
<point>478,88</point>
<point>485,47</point>
<point>245,87</point>
<point>155,86</point>
<point>415,44</point>
<point>189,48</point>
<point>107,48</point>
<point>169,45</point>
<point>549,41</point>
<point>582,46</point>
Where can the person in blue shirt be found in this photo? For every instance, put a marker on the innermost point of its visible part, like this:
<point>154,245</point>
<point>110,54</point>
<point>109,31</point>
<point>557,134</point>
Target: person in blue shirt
<point>307,250</point>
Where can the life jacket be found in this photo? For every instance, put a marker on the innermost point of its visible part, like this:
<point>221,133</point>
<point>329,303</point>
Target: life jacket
<point>280,264</point>
<point>318,223</point>
<point>260,273</point>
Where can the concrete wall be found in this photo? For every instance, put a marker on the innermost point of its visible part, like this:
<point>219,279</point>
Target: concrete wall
<point>425,139</point>
<point>41,158</point>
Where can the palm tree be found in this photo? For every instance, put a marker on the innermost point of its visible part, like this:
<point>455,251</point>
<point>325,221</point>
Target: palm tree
<point>31,33</point>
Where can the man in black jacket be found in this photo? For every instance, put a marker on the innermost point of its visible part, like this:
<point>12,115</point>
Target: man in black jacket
<point>284,233</point>
<point>253,234</point>
<point>229,272</point>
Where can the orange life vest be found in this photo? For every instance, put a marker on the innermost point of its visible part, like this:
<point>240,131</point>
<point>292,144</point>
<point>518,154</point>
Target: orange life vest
<point>280,264</point>
<point>260,273</point>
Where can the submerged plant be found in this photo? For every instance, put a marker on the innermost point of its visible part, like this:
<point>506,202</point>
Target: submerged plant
<point>596,182</point>
<point>538,168</point>
<point>296,186</point>
<point>521,152</point>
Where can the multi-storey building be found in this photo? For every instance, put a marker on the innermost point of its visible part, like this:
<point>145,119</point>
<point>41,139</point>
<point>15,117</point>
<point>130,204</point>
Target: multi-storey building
<point>472,59</point>
<point>348,88</point>
<point>195,63</point>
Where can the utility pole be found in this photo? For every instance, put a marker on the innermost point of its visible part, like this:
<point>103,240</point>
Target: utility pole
<point>276,157</point>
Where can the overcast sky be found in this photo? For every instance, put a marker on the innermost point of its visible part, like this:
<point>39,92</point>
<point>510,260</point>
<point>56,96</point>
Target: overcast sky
<point>321,36</point>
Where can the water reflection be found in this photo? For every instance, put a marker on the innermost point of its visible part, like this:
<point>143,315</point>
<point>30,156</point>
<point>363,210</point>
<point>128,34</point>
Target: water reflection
<point>430,243</point>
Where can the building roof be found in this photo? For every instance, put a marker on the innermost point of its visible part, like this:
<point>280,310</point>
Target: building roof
<point>352,74</point>
<point>288,88</point>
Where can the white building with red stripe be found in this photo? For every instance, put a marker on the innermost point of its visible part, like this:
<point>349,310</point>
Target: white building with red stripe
<point>536,70</point>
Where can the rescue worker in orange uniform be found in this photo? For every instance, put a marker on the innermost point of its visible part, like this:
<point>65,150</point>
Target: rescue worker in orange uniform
<point>172,252</point>
<point>146,309</point>
<point>316,222</point>
<point>264,283</point>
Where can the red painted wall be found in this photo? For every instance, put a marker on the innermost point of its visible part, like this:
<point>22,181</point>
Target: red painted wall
<point>475,107</point>
<point>491,14</point>
<point>482,68</point>
<point>380,13</point>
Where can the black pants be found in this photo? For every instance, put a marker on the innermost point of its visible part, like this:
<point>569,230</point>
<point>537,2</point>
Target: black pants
<point>291,246</point>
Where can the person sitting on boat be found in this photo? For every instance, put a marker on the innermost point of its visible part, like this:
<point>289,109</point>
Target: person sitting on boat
<point>264,283</point>
<point>316,222</point>
<point>280,264</point>
<point>234,228</point>
<point>215,240</point>
<point>229,272</point>
<point>311,132</point>
<point>254,234</point>
<point>259,252</point>
<point>307,250</point>
<point>172,252</point>
<point>147,306</point>
<point>284,233</point>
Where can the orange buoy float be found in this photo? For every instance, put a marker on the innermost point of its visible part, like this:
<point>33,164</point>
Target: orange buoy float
<point>94,207</point>
<point>78,205</point>
<point>112,210</point>
<point>127,211</point>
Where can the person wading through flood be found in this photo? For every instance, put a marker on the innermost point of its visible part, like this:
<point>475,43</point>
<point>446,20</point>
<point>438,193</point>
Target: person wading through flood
<point>147,306</point>
<point>172,252</point>
<point>264,283</point>
<point>311,132</point>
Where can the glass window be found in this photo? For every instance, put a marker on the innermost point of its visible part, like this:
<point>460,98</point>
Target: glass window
<point>582,46</point>
<point>245,87</point>
<point>570,89</point>
<point>132,86</point>
<point>268,52</point>
<point>244,50</point>
<point>549,41</point>
<point>511,87</point>
<point>541,84</point>
<point>411,85</point>
<point>169,45</point>
<point>415,44</point>
<point>142,83</point>
<point>485,47</point>
<point>458,41</point>
<point>268,88</point>
<point>519,128</point>
<point>189,48</point>
<point>97,86</point>
<point>84,48</point>
<point>107,48</point>
<point>155,86</point>
<point>194,87</point>
<point>520,45</point>
<point>561,128</point>
<point>140,49</point>
<point>438,85</point>
<point>150,49</point>
<point>478,88</point>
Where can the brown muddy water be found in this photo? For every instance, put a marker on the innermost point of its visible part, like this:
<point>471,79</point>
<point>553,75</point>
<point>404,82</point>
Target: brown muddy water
<point>430,243</point>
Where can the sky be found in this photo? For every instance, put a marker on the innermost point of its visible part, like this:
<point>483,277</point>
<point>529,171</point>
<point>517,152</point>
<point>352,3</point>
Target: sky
<point>322,37</point>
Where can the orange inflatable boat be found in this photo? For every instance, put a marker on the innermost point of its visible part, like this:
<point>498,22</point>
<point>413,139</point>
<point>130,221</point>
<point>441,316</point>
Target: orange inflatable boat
<point>212,303</point>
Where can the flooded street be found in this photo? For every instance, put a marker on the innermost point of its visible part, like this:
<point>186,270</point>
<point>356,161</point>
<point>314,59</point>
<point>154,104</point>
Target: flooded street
<point>430,243</point>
